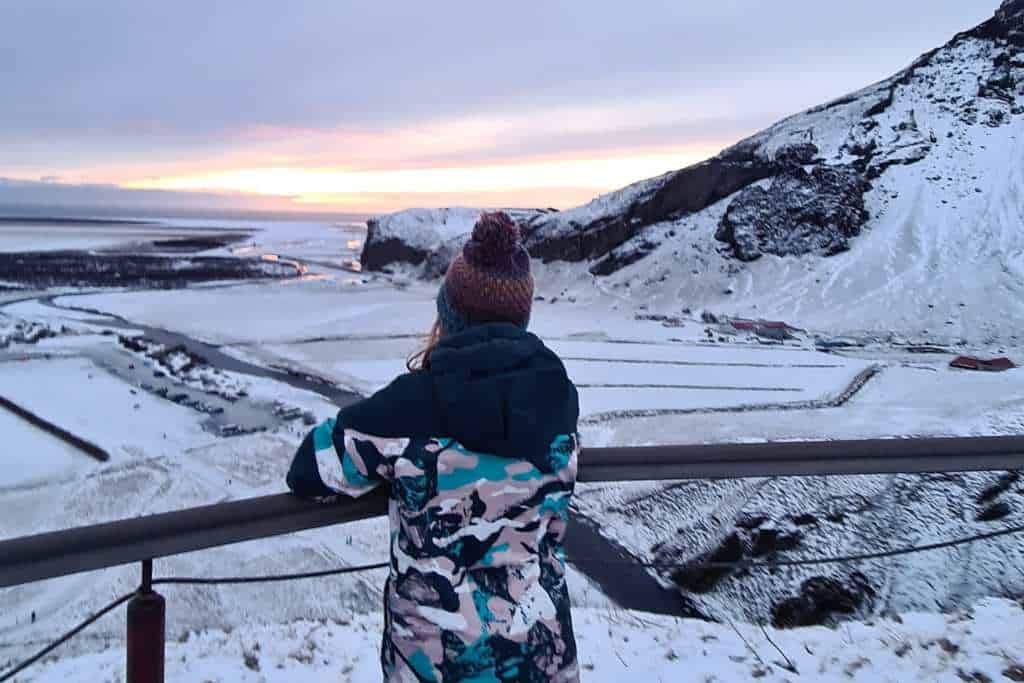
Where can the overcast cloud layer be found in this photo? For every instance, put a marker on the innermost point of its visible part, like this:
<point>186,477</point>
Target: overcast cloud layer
<point>118,91</point>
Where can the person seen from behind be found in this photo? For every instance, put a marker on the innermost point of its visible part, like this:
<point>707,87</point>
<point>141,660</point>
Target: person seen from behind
<point>477,445</point>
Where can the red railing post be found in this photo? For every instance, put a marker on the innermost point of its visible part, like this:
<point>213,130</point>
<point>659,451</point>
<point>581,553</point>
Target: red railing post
<point>146,625</point>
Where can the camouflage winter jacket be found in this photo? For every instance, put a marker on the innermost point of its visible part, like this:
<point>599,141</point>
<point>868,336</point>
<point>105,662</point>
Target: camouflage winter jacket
<point>479,454</point>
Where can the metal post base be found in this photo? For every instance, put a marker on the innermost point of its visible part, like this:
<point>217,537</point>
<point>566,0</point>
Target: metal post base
<point>146,631</point>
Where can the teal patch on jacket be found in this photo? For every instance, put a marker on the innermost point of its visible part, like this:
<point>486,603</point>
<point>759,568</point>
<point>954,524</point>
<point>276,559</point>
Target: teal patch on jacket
<point>323,435</point>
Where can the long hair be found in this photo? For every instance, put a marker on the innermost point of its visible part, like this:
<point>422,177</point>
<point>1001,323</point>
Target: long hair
<point>421,359</point>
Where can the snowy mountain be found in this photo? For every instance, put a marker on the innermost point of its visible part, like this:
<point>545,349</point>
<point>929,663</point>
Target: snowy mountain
<point>899,208</point>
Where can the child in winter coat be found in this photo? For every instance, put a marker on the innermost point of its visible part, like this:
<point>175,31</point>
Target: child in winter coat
<point>478,446</point>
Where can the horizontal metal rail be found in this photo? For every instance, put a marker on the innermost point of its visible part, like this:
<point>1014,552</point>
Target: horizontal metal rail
<point>49,555</point>
<point>802,459</point>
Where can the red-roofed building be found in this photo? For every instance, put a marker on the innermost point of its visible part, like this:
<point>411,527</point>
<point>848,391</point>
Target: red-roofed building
<point>972,363</point>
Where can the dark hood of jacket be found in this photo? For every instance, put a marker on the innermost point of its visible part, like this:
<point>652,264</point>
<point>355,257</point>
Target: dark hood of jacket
<point>494,388</point>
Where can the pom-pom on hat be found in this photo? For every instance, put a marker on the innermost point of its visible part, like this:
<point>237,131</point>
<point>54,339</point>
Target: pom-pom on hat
<point>490,280</point>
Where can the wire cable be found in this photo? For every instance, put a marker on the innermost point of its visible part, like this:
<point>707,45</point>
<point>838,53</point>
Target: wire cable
<point>64,638</point>
<point>182,580</point>
<point>840,559</point>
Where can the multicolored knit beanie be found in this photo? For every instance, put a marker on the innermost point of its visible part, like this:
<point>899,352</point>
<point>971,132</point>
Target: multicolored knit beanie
<point>490,280</point>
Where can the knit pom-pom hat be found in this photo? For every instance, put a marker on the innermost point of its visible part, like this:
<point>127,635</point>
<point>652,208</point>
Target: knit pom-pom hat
<point>490,280</point>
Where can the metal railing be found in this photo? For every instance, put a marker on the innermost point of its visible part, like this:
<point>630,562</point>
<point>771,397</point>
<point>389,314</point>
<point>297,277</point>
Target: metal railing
<point>141,539</point>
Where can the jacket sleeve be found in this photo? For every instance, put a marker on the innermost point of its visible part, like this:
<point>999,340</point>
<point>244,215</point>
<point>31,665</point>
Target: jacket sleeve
<point>333,460</point>
<point>362,448</point>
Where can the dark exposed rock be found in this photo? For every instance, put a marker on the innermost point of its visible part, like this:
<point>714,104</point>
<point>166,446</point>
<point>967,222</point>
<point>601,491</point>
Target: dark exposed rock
<point>194,244</point>
<point>436,263</point>
<point>750,521</point>
<point>768,541</point>
<point>1007,24</point>
<point>1002,84</point>
<point>1014,673</point>
<point>805,519</point>
<point>797,154</point>
<point>799,213</point>
<point>665,320</point>
<point>773,333</point>
<point>995,118</point>
<point>697,577</point>
<point>1010,19</point>
<point>378,253</point>
<point>709,317</point>
<point>821,598</point>
<point>862,140</point>
<point>994,511</point>
<point>622,256</point>
<point>1003,484</point>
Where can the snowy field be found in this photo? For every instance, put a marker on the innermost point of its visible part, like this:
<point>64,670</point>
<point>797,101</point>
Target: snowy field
<point>51,458</point>
<point>356,330</point>
<point>81,397</point>
<point>984,644</point>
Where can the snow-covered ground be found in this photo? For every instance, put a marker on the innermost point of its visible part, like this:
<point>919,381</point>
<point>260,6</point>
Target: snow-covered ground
<point>325,245</point>
<point>982,644</point>
<point>359,333</point>
<point>89,402</point>
<point>258,313</point>
<point>42,457</point>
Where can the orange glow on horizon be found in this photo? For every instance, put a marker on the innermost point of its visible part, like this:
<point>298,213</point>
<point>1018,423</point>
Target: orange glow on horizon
<point>546,156</point>
<point>346,188</point>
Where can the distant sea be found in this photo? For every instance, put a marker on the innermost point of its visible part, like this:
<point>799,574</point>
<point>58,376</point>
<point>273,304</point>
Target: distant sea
<point>37,212</point>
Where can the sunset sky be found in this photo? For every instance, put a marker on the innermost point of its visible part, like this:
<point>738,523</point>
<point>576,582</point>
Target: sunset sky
<point>376,106</point>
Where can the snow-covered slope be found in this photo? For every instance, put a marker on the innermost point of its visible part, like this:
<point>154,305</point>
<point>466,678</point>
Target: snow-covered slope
<point>940,150</point>
<point>983,644</point>
<point>897,208</point>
